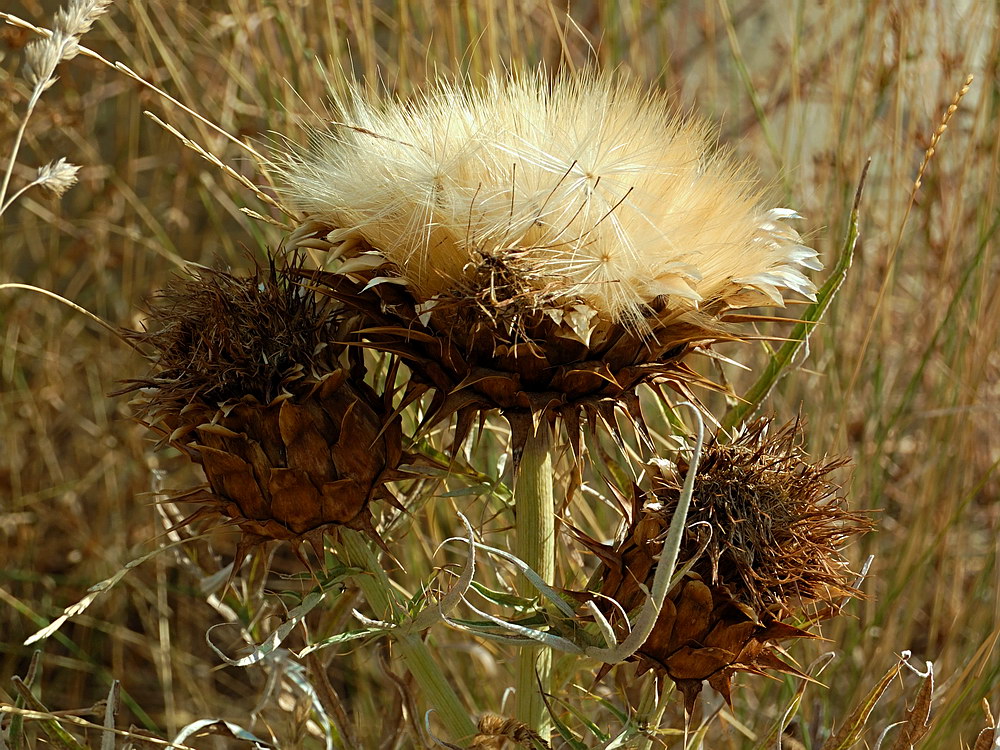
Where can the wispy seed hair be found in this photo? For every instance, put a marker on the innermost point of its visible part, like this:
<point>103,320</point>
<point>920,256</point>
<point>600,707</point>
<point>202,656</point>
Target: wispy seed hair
<point>594,184</point>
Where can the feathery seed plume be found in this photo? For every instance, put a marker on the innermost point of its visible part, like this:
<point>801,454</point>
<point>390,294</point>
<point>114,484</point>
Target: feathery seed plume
<point>596,187</point>
<point>537,246</point>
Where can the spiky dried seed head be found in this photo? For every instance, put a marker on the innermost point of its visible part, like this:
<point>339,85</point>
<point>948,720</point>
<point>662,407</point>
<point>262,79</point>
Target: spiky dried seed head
<point>214,337</point>
<point>778,520</point>
<point>766,528</point>
<point>246,382</point>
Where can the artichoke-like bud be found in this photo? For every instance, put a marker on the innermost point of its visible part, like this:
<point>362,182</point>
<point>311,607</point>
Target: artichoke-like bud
<point>245,380</point>
<point>538,246</point>
<point>765,530</point>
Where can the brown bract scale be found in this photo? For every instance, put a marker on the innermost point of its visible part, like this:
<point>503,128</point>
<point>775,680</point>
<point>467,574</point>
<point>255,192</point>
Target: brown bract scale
<point>502,340</point>
<point>245,380</point>
<point>765,530</point>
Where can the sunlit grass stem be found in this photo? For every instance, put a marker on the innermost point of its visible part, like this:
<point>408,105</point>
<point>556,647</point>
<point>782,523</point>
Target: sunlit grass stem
<point>434,686</point>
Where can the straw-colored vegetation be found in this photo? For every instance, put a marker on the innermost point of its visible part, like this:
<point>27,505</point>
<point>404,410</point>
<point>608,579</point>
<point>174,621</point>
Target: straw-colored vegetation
<point>901,375</point>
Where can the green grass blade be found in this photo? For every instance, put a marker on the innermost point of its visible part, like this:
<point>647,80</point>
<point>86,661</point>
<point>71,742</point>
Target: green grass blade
<point>53,730</point>
<point>783,358</point>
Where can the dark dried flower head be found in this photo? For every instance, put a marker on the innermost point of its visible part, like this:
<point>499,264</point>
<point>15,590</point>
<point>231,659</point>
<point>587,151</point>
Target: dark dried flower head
<point>777,520</point>
<point>765,530</point>
<point>216,336</point>
<point>246,382</point>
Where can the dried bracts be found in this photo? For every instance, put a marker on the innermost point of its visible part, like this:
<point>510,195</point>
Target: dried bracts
<point>765,529</point>
<point>247,380</point>
<point>538,245</point>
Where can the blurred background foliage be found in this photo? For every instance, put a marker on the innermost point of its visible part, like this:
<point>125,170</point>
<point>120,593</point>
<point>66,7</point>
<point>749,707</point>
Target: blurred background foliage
<point>902,375</point>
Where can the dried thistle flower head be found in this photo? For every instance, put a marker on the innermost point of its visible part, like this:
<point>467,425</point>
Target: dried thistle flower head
<point>595,189</point>
<point>538,246</point>
<point>246,382</point>
<point>765,530</point>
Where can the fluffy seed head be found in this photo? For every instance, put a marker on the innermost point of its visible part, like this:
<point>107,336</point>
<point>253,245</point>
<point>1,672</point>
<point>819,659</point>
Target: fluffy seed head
<point>57,176</point>
<point>594,187</point>
<point>79,16</point>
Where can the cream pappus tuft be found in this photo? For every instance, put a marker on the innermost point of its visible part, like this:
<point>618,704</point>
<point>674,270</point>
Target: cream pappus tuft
<point>593,185</point>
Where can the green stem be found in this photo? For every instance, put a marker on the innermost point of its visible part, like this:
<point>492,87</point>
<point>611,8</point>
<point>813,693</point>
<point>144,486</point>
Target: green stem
<point>535,543</point>
<point>433,685</point>
<point>652,706</point>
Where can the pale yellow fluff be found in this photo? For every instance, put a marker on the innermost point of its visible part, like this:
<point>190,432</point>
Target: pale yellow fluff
<point>596,185</point>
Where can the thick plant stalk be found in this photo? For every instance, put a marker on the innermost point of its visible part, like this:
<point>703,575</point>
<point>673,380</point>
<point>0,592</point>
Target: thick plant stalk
<point>435,688</point>
<point>535,542</point>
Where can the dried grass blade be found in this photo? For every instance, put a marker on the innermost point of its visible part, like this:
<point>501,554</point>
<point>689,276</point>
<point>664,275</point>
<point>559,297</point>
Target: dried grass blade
<point>772,739</point>
<point>16,728</point>
<point>110,709</point>
<point>851,731</point>
<point>221,727</point>
<point>986,739</point>
<point>60,737</point>
<point>918,718</point>
<point>93,592</point>
<point>221,165</point>
<point>273,641</point>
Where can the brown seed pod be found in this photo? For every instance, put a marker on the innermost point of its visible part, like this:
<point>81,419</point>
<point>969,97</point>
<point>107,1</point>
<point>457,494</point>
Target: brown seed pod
<point>765,530</point>
<point>245,380</point>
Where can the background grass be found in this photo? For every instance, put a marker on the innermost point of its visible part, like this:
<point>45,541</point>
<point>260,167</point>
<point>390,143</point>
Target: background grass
<point>902,375</point>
